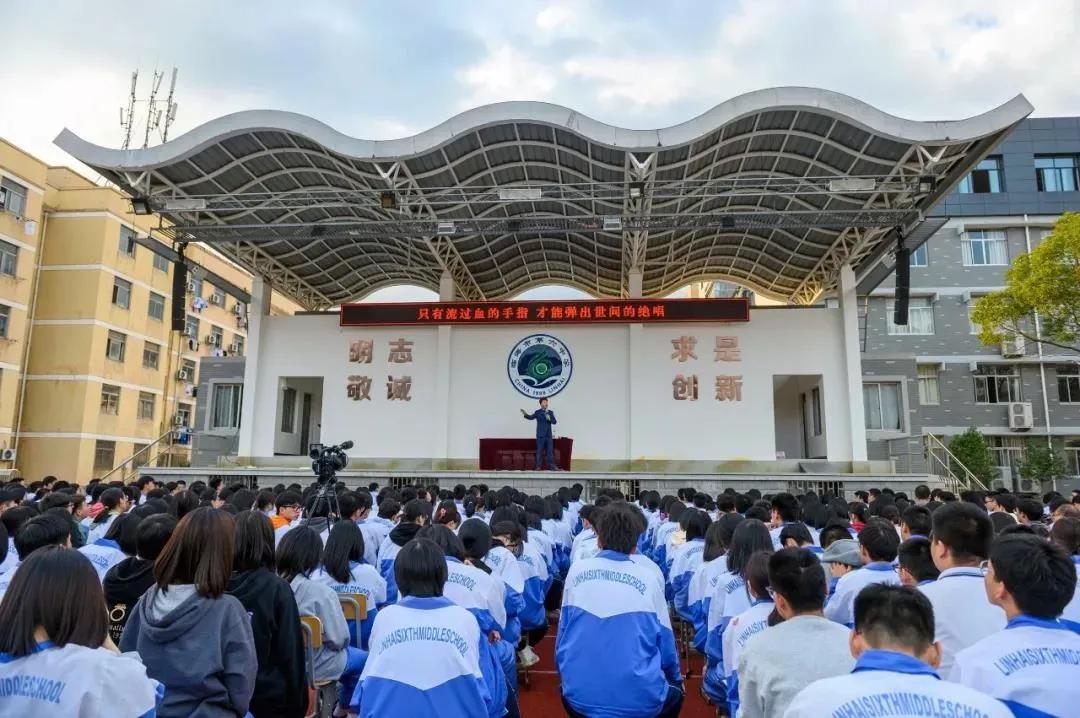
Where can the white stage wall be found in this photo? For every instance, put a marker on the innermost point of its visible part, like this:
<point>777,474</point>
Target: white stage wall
<point>618,405</point>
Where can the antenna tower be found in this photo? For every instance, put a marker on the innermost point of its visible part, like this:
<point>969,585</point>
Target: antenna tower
<point>127,115</point>
<point>159,114</point>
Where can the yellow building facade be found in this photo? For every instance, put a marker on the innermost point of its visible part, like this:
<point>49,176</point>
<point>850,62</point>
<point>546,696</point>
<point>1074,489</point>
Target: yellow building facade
<point>91,374</point>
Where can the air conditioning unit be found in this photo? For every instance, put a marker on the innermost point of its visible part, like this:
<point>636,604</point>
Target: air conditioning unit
<point>182,375</point>
<point>191,285</point>
<point>1013,346</point>
<point>211,340</point>
<point>7,455</point>
<point>234,348</point>
<point>238,309</point>
<point>1029,485</point>
<point>1020,416</point>
<point>178,420</point>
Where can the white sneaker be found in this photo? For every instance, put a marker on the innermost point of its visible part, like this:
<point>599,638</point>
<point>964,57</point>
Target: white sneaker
<point>527,657</point>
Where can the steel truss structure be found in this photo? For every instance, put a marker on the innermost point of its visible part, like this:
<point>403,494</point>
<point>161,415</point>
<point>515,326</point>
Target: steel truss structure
<point>774,190</point>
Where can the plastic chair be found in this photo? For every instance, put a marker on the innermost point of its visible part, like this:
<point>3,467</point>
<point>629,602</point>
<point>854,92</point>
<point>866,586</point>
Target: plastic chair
<point>354,606</point>
<point>321,694</point>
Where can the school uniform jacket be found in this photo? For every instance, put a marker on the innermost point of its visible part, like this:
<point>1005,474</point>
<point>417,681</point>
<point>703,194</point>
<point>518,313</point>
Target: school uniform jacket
<point>537,580</point>
<point>841,605</point>
<point>368,582</point>
<point>699,597</point>
<point>738,633</point>
<point>505,566</point>
<point>962,613</point>
<point>103,554</point>
<point>1071,616</point>
<point>686,560</point>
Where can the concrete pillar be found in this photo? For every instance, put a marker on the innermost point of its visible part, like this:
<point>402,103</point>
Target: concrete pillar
<point>849,308</point>
<point>446,287</point>
<point>258,310</point>
<point>441,441</point>
<point>634,283</point>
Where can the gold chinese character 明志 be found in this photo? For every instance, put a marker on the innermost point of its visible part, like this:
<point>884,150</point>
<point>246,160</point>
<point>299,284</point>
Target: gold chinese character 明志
<point>684,388</point>
<point>729,388</point>
<point>684,348</point>
<point>398,389</point>
<point>360,351</point>
<point>359,388</point>
<point>400,351</point>
<point>727,349</point>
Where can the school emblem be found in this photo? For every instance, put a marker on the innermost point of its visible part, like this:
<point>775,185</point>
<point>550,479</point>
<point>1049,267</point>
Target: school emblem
<point>539,366</point>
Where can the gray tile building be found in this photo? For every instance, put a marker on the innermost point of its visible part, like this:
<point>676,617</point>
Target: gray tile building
<point>934,377</point>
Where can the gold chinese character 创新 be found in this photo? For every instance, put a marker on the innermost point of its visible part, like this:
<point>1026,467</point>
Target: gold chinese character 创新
<point>727,349</point>
<point>729,388</point>
<point>400,351</point>
<point>359,388</point>
<point>684,388</point>
<point>360,351</point>
<point>397,389</point>
<point>684,348</point>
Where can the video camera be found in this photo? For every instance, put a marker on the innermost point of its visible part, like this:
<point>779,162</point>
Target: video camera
<point>326,461</point>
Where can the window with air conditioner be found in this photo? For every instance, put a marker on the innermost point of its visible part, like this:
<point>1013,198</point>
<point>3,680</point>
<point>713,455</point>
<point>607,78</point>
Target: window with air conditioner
<point>151,355</point>
<point>191,327</point>
<point>183,414</point>
<point>127,241</point>
<point>13,197</point>
<point>1008,452</point>
<point>225,406</point>
<point>238,345</point>
<point>196,286</point>
<point>147,402</point>
<point>986,178</point>
<point>155,308</point>
<point>110,399</point>
<point>121,293</point>
<point>882,406</point>
<point>920,317</point>
<point>997,384</point>
<point>115,346</point>
<point>104,455</point>
<point>217,336</point>
<point>9,258</point>
<point>929,386</point>
<point>1068,381</point>
<point>985,248</point>
<point>217,297</point>
<point>187,368</point>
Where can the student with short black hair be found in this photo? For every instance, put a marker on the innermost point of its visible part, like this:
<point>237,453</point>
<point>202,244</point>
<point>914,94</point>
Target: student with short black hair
<point>192,637</point>
<point>55,641</point>
<point>114,503</point>
<point>39,531</point>
<point>288,504</point>
<point>414,514</point>
<point>896,656</point>
<point>1034,663</point>
<point>798,535</point>
<point>1029,511</point>
<point>747,624</point>
<point>423,642</point>
<point>1066,534</point>
<point>785,511</point>
<point>878,543</point>
<point>915,564</point>
<point>916,522</point>
<point>128,580</point>
<point>688,556</point>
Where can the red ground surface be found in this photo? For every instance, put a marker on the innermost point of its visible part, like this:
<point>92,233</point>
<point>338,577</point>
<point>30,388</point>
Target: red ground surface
<point>541,699</point>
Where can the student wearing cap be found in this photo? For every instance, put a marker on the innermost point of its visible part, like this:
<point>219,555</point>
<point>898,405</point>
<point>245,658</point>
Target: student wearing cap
<point>893,644</point>
<point>962,613</point>
<point>840,558</point>
<point>878,543</point>
<point>1033,665</point>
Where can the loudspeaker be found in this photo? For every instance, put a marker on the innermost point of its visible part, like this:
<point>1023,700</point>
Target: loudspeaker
<point>903,286</point>
<point>179,294</point>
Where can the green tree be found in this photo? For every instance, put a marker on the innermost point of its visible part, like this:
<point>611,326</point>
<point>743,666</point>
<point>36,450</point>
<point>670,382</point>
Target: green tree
<point>1041,462</point>
<point>1047,282</point>
<point>971,450</point>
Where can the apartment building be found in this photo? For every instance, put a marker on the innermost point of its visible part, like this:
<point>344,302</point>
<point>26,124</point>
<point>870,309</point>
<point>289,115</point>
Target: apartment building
<point>933,376</point>
<point>91,375</point>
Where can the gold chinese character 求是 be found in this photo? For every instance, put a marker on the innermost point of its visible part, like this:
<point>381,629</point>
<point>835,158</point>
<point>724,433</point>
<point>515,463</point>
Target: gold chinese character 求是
<point>727,349</point>
<point>684,388</point>
<point>359,388</point>
<point>400,351</point>
<point>398,389</point>
<point>360,351</point>
<point>729,388</point>
<point>684,348</point>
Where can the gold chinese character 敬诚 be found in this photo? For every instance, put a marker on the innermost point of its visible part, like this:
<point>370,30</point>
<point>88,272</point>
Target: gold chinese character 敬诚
<point>359,388</point>
<point>397,389</point>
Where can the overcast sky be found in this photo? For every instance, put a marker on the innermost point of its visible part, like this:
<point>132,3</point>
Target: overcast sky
<point>389,69</point>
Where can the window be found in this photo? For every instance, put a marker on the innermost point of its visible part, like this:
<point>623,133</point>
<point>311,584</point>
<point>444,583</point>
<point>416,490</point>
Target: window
<point>187,368</point>
<point>151,355</point>
<point>1056,173</point>
<point>919,257</point>
<point>146,405</point>
<point>985,247</point>
<point>288,411</point>
<point>5,318</point>
<point>161,263</point>
<point>1008,452</point>
<point>996,384</point>
<point>1072,456</point>
<point>127,241</point>
<point>121,293</point>
<point>196,286</point>
<point>1068,378</point>
<point>225,406</point>
<point>183,414</point>
<point>139,460</point>
<point>881,402</point>
<point>104,455</point>
<point>986,178</point>
<point>191,327</point>
<point>9,258</point>
<point>929,388</point>
<point>110,399</point>
<point>156,308</point>
<point>217,297</point>
<point>920,317</point>
<point>12,197</point>
<point>115,346</point>
<point>217,336</point>
<point>238,345</point>
<point>815,400</point>
<point>973,328</point>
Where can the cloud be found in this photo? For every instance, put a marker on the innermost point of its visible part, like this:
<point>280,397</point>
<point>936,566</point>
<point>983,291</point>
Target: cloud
<point>507,74</point>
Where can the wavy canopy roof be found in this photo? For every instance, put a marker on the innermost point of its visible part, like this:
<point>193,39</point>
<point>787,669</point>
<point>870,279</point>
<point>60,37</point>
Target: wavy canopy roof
<point>774,190</point>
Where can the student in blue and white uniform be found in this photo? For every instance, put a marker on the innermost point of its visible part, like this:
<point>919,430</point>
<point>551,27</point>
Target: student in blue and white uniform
<point>114,502</point>
<point>556,527</point>
<point>425,651</point>
<point>914,563</point>
<point>106,552</point>
<point>746,625</point>
<point>1033,665</point>
<point>785,512</point>
<point>703,583</point>
<point>878,542</point>
<point>344,570</point>
<point>533,615</point>
<point>504,565</point>
<point>584,544</point>
<point>687,558</point>
<point>56,658</point>
<point>798,535</point>
<point>612,601</point>
<point>662,546</point>
<point>44,530</point>
<point>1066,533</point>
<point>896,655</point>
<point>414,515</point>
<point>377,527</point>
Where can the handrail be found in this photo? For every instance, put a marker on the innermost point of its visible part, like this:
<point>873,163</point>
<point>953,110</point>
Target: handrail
<point>139,453</point>
<point>969,480</point>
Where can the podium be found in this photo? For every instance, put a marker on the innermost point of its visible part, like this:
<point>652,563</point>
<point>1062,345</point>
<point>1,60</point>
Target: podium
<point>520,454</point>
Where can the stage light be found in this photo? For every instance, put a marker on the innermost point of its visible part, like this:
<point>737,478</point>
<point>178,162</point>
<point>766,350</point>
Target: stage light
<point>388,200</point>
<point>853,184</point>
<point>612,224</point>
<point>445,229</point>
<point>927,184</point>
<point>520,194</point>
<point>141,206</point>
<point>637,190</point>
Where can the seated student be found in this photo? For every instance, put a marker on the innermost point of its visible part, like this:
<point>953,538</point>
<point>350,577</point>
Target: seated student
<point>664,533</point>
<point>275,620</point>
<point>611,601</point>
<point>896,656</point>
<point>343,569</point>
<point>784,512</point>
<point>533,615</point>
<point>1029,511</point>
<point>747,624</point>
<point>43,530</point>
<point>584,544</point>
<point>298,556</point>
<point>798,535</point>
<point>114,503</point>
<point>193,638</point>
<point>703,583</point>
<point>128,580</point>
<point>1066,534</point>
<point>61,503</point>
<point>361,502</point>
<point>805,646</point>
<point>686,559</point>
<point>916,522</point>
<point>962,613</point>
<point>55,643</point>
<point>425,651</point>
<point>915,565</point>
<point>413,517</point>
<point>106,552</point>
<point>878,543</point>
<point>288,511</point>
<point>481,551</point>
<point>1033,665</point>
<point>834,532</point>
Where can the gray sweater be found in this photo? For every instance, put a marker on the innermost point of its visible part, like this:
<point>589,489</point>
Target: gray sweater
<point>319,600</point>
<point>780,661</point>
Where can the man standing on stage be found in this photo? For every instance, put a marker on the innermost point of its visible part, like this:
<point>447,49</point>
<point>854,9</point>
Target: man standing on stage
<point>544,444</point>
